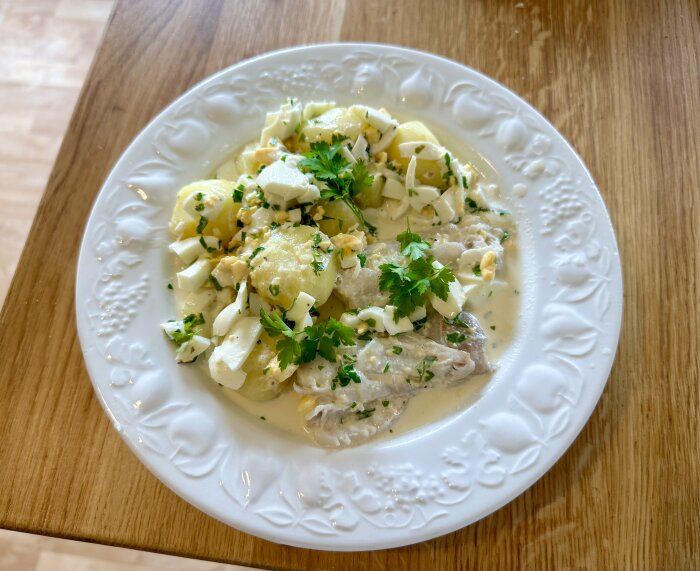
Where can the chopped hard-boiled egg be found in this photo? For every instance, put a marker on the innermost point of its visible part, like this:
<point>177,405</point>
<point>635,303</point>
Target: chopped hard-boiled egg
<point>422,150</point>
<point>282,124</point>
<point>394,327</point>
<point>455,298</point>
<point>232,312</point>
<point>394,189</point>
<point>445,208</point>
<point>189,249</point>
<point>280,180</point>
<point>315,108</point>
<point>226,362</point>
<point>488,265</point>
<point>191,349</point>
<point>230,270</point>
<point>194,276</point>
<point>420,196</point>
<point>299,312</point>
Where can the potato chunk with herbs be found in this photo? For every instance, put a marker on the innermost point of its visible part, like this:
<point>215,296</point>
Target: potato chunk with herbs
<point>293,260</point>
<point>260,384</point>
<point>211,199</point>
<point>427,171</point>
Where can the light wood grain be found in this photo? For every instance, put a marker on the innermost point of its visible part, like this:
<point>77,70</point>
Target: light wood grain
<point>620,80</point>
<point>46,47</point>
<point>28,552</point>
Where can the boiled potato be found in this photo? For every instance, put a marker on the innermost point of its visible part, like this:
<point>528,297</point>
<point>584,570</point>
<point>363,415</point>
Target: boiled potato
<point>258,385</point>
<point>371,197</point>
<point>339,217</point>
<point>337,120</point>
<point>183,225</point>
<point>284,267</point>
<point>427,171</point>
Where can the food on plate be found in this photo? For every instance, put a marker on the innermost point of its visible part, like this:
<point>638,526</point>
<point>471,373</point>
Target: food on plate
<point>344,261</point>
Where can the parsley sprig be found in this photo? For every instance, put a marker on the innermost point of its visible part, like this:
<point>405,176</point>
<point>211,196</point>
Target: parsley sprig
<point>343,180</point>
<point>409,285</point>
<point>297,347</point>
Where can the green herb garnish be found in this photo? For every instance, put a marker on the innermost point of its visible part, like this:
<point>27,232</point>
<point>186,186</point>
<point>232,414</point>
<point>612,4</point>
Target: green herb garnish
<point>215,282</point>
<point>342,180</point>
<point>346,374</point>
<point>255,252</point>
<point>362,414</point>
<point>423,368</point>
<point>322,339</point>
<point>456,337</point>
<point>189,328</point>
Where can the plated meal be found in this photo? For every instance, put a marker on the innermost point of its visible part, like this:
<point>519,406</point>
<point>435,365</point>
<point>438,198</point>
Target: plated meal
<point>340,270</point>
<point>382,319</point>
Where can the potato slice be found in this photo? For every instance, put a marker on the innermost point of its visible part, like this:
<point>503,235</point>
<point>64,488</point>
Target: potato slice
<point>223,226</point>
<point>427,171</point>
<point>283,268</point>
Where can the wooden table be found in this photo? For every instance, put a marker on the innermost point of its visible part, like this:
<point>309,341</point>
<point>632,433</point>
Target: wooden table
<point>620,81</point>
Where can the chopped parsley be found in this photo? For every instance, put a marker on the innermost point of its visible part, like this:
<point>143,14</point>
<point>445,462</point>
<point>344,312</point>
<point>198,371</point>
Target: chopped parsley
<point>199,207</point>
<point>215,282</point>
<point>363,260</point>
<point>419,149</point>
<point>255,252</point>
<point>477,270</point>
<point>504,236</point>
<point>202,224</point>
<point>189,328</point>
<point>170,286</point>
<point>397,350</point>
<point>423,368</point>
<point>318,263</point>
<point>238,193</point>
<point>386,368</point>
<point>261,197</point>
<point>342,180</point>
<point>274,289</point>
<point>204,245</point>
<point>456,337</point>
<point>366,336</point>
<point>449,173</point>
<point>346,374</point>
<point>419,323</point>
<point>385,403</point>
<point>362,414</point>
<point>457,321</point>
<point>199,196</point>
<point>493,328</point>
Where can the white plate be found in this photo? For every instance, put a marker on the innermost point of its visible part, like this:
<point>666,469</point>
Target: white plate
<point>415,486</point>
